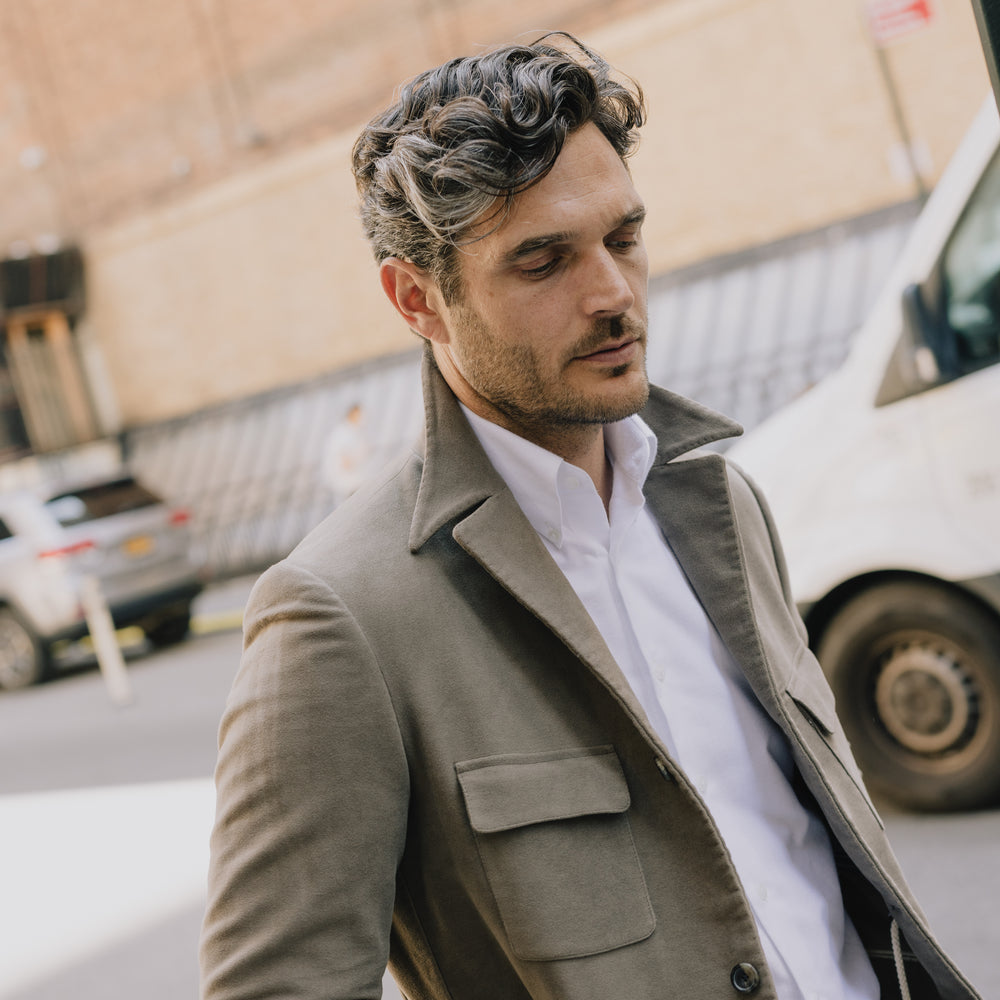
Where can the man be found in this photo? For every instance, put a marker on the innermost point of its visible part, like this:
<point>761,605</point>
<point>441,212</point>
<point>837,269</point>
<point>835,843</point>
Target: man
<point>532,714</point>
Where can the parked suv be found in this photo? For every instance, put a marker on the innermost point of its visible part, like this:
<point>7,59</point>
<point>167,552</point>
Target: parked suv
<point>114,529</point>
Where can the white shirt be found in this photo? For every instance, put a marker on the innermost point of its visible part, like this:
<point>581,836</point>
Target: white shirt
<point>695,696</point>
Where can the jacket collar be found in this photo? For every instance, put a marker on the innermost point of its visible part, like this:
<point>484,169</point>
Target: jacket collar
<point>457,476</point>
<point>459,486</point>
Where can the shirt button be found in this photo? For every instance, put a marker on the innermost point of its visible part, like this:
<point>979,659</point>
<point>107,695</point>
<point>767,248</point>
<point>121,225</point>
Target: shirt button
<point>745,978</point>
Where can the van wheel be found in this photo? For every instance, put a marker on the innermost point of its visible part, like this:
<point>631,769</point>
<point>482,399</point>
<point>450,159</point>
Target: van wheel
<point>916,672</point>
<point>24,659</point>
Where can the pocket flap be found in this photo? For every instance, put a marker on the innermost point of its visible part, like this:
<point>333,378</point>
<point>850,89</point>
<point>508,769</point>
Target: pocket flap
<point>514,790</point>
<point>809,689</point>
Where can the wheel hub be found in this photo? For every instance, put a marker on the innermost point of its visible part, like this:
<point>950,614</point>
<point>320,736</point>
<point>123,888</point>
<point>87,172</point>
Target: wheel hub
<point>925,699</point>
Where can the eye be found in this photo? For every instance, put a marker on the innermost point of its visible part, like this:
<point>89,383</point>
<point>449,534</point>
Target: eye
<point>543,270</point>
<point>624,242</point>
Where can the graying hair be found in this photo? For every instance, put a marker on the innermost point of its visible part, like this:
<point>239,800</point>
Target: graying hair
<point>465,138</point>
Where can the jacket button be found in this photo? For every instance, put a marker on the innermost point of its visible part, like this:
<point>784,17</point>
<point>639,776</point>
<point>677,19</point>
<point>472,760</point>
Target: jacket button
<point>661,766</point>
<point>745,978</point>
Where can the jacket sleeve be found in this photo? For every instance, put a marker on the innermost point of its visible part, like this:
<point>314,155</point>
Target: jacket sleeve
<point>312,790</point>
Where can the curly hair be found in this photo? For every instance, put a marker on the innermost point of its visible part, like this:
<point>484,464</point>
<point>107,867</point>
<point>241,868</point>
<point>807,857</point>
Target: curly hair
<point>465,138</point>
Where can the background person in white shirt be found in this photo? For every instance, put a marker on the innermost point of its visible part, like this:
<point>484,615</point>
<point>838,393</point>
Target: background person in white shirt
<point>508,708</point>
<point>348,455</point>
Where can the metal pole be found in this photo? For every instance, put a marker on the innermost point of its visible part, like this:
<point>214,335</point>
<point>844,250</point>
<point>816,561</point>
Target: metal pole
<point>899,118</point>
<point>102,631</point>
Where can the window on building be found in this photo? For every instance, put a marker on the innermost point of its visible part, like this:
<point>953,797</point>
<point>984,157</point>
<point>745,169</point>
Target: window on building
<point>45,402</point>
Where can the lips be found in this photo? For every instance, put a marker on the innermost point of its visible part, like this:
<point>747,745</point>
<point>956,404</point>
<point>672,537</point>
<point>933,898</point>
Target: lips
<point>618,353</point>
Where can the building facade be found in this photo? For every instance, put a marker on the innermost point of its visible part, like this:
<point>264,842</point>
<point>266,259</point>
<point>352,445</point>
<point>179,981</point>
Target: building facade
<point>183,170</point>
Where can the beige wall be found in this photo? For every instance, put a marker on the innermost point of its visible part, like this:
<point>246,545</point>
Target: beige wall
<point>257,282</point>
<point>767,117</point>
<point>770,117</point>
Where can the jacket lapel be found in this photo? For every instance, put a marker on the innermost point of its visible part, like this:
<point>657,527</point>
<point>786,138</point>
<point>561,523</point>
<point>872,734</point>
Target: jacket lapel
<point>690,498</point>
<point>460,487</point>
<point>500,538</point>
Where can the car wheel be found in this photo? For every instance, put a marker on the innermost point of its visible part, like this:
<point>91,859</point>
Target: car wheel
<point>170,631</point>
<point>23,658</point>
<point>916,672</point>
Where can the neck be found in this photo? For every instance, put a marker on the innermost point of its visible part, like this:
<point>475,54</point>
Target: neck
<point>580,444</point>
<point>584,448</point>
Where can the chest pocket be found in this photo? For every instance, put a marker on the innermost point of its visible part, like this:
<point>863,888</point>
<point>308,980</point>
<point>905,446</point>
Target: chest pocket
<point>557,850</point>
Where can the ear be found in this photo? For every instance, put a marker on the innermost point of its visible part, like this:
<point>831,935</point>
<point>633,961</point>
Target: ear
<point>416,297</point>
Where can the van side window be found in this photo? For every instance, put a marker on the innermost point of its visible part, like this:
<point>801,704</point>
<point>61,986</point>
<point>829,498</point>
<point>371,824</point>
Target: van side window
<point>970,276</point>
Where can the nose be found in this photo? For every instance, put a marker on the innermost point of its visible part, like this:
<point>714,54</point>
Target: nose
<point>607,291</point>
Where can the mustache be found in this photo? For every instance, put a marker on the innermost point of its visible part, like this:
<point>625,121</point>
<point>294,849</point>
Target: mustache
<point>607,330</point>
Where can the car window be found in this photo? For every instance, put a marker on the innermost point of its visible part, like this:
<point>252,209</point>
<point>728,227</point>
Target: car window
<point>101,500</point>
<point>971,277</point>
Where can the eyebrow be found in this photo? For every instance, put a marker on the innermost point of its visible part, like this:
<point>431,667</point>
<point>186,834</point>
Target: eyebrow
<point>535,243</point>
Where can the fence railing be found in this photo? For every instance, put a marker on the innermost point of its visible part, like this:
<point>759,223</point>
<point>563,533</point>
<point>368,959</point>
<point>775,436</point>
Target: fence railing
<point>258,474</point>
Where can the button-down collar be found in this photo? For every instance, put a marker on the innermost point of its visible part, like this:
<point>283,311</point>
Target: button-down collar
<point>545,486</point>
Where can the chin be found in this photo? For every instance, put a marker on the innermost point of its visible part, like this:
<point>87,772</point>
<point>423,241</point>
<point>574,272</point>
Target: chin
<point>633,386</point>
<point>619,405</point>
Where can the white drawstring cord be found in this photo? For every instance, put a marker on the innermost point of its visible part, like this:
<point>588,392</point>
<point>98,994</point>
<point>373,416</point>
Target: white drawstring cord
<point>897,954</point>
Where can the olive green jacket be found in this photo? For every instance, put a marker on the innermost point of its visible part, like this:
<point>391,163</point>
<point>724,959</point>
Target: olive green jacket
<point>429,757</point>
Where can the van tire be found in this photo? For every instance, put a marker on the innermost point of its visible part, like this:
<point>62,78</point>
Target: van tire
<point>24,659</point>
<point>915,668</point>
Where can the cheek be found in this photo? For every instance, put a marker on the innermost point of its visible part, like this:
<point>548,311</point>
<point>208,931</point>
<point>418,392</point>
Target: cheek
<point>638,268</point>
<point>637,277</point>
<point>532,326</point>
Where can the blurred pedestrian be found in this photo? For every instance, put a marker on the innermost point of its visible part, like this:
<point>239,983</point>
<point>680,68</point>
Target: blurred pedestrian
<point>535,716</point>
<point>348,457</point>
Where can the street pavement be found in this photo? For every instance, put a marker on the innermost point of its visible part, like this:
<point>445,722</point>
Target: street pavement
<point>104,817</point>
<point>105,830</point>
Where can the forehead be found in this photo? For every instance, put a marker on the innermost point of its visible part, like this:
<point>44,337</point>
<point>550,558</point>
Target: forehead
<point>585,195</point>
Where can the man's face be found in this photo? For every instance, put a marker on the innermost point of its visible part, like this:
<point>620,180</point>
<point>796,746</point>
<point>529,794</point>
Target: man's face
<point>549,330</point>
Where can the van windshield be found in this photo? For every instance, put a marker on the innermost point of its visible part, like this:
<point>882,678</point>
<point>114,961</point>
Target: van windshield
<point>971,274</point>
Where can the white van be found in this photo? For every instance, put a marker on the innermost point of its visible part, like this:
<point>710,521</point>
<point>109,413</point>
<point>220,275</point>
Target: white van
<point>885,484</point>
